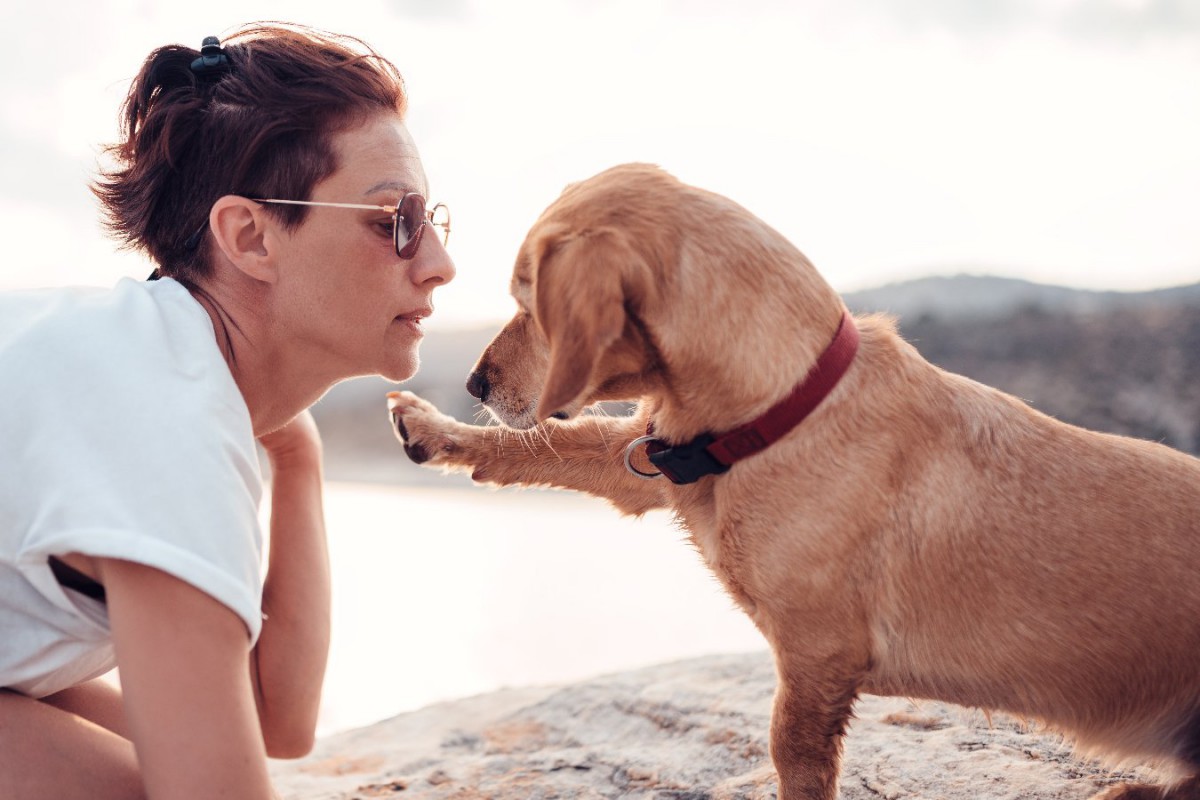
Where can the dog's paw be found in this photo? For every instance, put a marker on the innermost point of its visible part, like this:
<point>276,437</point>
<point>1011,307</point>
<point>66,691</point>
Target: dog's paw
<point>426,433</point>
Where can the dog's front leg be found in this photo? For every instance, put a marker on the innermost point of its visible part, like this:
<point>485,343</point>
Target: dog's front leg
<point>808,720</point>
<point>586,455</point>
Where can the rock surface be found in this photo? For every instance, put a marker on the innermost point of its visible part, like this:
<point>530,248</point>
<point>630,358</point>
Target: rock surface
<point>691,730</point>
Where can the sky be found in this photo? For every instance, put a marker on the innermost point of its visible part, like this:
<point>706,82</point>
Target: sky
<point>1050,140</point>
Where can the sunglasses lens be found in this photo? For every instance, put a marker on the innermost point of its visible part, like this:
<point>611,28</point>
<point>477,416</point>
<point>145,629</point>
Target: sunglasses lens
<point>439,218</point>
<point>412,219</point>
<point>410,225</point>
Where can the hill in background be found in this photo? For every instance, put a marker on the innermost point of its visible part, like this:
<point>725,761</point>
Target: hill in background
<point>1122,362</point>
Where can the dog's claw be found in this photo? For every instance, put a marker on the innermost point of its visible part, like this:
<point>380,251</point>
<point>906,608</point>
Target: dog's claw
<point>416,453</point>
<point>421,429</point>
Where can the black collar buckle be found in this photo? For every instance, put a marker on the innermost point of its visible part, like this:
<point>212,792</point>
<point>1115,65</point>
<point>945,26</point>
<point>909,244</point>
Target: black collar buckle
<point>687,462</point>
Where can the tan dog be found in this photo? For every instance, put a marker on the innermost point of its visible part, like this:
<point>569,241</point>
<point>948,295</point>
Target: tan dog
<point>918,535</point>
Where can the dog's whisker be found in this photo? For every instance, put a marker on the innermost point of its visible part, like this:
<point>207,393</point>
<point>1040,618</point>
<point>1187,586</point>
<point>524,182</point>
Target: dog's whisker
<point>544,434</point>
<point>536,436</point>
<point>485,416</point>
<point>506,435</point>
<point>524,438</point>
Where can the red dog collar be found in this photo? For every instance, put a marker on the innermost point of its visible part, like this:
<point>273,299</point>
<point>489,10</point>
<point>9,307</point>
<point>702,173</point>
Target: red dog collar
<point>708,454</point>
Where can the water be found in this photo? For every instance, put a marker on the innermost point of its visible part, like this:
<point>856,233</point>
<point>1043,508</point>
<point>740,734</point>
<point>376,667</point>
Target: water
<point>448,592</point>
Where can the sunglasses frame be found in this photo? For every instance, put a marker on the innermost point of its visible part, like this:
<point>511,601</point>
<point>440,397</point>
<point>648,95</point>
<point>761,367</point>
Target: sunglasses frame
<point>412,241</point>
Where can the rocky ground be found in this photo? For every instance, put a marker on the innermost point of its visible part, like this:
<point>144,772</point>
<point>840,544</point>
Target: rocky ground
<point>691,730</point>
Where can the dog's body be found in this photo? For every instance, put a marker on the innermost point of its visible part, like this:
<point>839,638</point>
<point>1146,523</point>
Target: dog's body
<point>919,535</point>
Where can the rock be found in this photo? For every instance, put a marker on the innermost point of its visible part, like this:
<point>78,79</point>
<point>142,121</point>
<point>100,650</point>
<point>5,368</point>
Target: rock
<point>690,730</point>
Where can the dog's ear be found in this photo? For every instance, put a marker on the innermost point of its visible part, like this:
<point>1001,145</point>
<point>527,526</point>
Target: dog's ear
<point>579,298</point>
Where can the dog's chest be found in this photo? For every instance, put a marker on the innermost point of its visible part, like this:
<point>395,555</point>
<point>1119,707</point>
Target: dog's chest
<point>715,538</point>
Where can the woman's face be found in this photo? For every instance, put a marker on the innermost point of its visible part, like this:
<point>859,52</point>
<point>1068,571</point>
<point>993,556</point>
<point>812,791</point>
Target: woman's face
<point>352,305</point>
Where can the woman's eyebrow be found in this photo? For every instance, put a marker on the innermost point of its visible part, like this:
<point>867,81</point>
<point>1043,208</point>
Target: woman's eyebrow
<point>390,185</point>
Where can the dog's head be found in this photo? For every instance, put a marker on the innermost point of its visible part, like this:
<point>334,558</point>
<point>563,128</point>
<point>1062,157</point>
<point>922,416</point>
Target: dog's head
<point>621,269</point>
<point>579,282</point>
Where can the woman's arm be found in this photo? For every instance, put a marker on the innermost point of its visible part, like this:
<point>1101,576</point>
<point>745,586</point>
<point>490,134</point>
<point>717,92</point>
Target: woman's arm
<point>288,663</point>
<point>187,696</point>
<point>203,723</point>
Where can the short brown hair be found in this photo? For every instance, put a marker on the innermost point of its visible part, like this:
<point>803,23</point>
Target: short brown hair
<point>262,128</point>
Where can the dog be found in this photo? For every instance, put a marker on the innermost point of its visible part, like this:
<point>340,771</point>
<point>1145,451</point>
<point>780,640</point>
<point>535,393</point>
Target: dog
<point>898,530</point>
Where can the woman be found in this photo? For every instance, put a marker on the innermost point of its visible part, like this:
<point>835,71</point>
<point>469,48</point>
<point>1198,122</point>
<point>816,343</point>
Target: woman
<point>275,186</point>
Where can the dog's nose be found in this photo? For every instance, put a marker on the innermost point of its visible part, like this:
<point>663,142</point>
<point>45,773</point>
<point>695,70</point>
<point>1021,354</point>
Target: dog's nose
<point>478,386</point>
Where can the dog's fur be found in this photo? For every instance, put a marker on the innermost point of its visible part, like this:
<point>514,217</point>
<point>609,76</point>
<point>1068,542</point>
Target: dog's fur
<point>919,535</point>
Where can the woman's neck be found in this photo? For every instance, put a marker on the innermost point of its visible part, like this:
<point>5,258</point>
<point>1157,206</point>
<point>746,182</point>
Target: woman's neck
<point>274,388</point>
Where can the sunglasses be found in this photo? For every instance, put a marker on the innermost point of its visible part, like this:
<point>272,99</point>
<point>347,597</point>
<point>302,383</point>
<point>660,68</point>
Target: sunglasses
<point>409,219</point>
<point>409,215</point>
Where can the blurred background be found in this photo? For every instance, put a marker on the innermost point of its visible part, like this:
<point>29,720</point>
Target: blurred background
<point>1017,180</point>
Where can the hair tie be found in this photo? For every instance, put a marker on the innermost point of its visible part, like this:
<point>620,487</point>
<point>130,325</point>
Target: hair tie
<point>212,60</point>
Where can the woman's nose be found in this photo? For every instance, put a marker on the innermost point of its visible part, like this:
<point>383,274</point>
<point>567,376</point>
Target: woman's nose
<point>432,263</point>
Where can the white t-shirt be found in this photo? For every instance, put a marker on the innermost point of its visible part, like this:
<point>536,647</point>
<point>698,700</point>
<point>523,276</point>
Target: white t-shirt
<point>122,435</point>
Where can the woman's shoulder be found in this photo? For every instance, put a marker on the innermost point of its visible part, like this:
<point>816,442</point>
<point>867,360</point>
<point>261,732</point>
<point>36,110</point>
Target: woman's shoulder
<point>123,417</point>
<point>87,316</point>
<point>137,334</point>
<point>138,361</point>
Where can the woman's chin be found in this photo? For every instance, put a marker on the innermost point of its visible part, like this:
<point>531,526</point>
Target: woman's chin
<point>402,367</point>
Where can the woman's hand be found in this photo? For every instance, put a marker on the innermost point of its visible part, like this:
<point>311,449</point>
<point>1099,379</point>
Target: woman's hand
<point>298,442</point>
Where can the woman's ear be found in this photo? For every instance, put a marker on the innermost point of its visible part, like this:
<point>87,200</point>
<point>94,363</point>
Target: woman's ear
<point>244,233</point>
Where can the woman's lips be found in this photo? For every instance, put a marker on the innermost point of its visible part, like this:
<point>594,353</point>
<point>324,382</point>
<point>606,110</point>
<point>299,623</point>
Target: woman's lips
<point>412,319</point>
